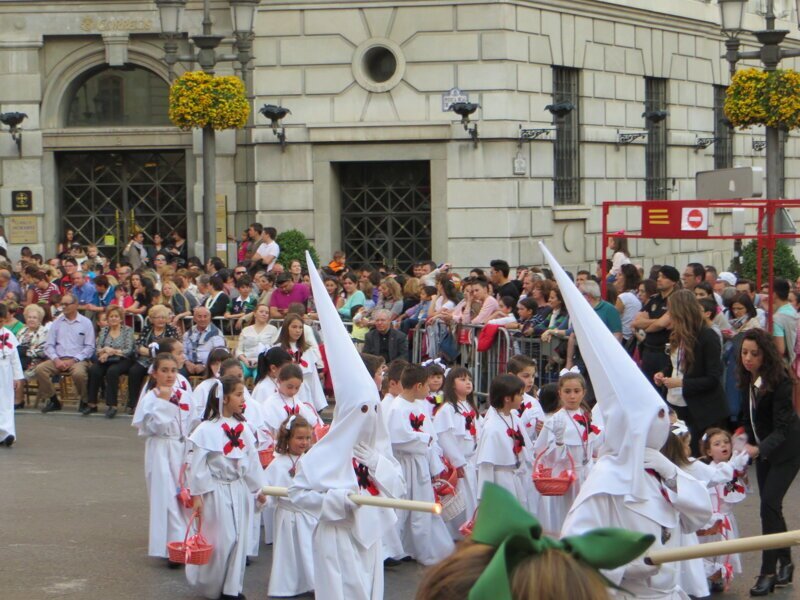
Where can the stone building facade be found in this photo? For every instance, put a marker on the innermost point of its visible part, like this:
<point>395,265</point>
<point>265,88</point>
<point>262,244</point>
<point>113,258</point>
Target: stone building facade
<point>373,164</point>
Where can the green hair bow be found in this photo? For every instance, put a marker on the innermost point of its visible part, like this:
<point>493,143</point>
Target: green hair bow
<point>504,524</point>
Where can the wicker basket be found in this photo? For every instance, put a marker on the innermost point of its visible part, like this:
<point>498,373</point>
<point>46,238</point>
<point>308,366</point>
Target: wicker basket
<point>453,503</point>
<point>266,456</point>
<point>546,484</point>
<point>194,550</point>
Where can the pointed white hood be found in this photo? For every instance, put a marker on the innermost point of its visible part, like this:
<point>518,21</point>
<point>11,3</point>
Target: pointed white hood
<point>634,414</point>
<point>329,463</point>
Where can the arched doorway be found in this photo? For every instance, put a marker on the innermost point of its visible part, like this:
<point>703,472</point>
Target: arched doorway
<point>106,194</point>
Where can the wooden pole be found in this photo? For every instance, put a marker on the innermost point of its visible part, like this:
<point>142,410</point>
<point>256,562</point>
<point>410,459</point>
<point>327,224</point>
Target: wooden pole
<point>379,501</point>
<point>748,544</point>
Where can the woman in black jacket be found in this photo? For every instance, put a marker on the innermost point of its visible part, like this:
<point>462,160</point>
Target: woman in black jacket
<point>773,430</point>
<point>694,377</point>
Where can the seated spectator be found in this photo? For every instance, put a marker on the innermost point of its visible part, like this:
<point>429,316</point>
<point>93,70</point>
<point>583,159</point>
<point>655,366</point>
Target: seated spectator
<point>338,264</point>
<point>43,288</point>
<point>488,304</point>
<point>115,352</point>
<point>418,313</point>
<point>105,293</point>
<point>334,292</point>
<point>69,346</point>
<point>411,292</point>
<point>351,296</point>
<point>255,339</point>
<point>287,292</point>
<point>32,340</point>
<point>9,321</point>
<point>178,304</point>
<point>385,341</point>
<point>504,315</point>
<point>265,285</point>
<point>157,329</point>
<point>9,284</point>
<point>296,270</point>
<point>143,294</point>
<point>217,300</point>
<point>557,326</point>
<point>85,292</point>
<point>201,339</point>
<point>243,304</point>
<point>526,308</point>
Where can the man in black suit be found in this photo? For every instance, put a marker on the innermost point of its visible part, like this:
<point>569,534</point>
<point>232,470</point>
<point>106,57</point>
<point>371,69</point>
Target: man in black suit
<point>385,341</point>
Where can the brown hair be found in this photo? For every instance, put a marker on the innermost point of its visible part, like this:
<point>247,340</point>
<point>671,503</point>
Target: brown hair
<point>283,338</point>
<point>705,441</point>
<point>116,309</point>
<point>551,575</point>
<point>675,450</point>
<point>687,319</point>
<point>285,435</point>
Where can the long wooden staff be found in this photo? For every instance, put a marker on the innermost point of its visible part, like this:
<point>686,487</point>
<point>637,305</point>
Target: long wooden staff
<point>748,544</point>
<point>379,501</point>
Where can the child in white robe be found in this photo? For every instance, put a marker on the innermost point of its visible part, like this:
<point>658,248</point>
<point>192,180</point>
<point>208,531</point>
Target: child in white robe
<point>631,485</point>
<point>394,371</point>
<point>727,487</point>
<point>355,457</point>
<point>11,377</point>
<point>162,417</point>
<point>505,453</point>
<point>292,570</point>
<point>424,536</point>
<point>175,348</point>
<point>530,412</point>
<point>211,377</point>
<point>269,365</point>
<point>291,338</point>
<point>435,384</point>
<point>225,473</point>
<point>570,431</point>
<point>286,402</point>
<point>456,424</point>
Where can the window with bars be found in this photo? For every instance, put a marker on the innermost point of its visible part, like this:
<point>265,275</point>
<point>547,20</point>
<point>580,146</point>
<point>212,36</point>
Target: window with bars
<point>566,149</point>
<point>723,132</point>
<point>655,91</point>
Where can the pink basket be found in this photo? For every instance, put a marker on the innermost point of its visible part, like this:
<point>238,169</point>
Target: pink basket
<point>266,456</point>
<point>194,550</point>
<point>546,484</point>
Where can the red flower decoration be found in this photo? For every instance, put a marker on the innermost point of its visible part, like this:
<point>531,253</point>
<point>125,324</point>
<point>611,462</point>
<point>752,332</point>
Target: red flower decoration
<point>291,410</point>
<point>234,440</point>
<point>516,436</point>
<point>365,482</point>
<point>416,421</point>
<point>587,426</point>
<point>176,400</point>
<point>4,341</point>
<point>469,422</point>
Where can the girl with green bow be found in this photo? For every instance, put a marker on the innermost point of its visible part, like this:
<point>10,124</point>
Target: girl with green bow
<point>508,558</point>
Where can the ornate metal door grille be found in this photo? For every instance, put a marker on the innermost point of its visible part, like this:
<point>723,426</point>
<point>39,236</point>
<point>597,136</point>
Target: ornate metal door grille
<point>655,91</point>
<point>386,212</point>
<point>566,148</point>
<point>105,193</point>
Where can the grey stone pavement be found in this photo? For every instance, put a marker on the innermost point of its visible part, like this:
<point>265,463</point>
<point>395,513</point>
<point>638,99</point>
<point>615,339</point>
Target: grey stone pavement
<point>73,520</point>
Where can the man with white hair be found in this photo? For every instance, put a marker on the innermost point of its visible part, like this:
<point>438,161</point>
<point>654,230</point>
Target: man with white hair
<point>385,341</point>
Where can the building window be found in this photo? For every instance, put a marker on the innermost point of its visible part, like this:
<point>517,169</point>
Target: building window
<point>655,107</point>
<point>566,146</point>
<point>723,132</point>
<point>118,97</point>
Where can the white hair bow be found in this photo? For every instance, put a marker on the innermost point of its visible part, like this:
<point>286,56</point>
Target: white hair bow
<point>290,422</point>
<point>153,349</point>
<point>679,428</point>
<point>434,361</point>
<point>573,371</point>
<point>220,397</point>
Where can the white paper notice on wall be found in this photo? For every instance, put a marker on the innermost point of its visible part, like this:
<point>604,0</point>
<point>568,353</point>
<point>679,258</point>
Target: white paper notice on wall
<point>694,219</point>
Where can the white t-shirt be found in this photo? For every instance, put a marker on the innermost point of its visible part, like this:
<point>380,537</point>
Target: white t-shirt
<point>271,249</point>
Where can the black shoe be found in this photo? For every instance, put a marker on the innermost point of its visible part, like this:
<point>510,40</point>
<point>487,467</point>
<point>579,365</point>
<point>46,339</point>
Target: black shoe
<point>173,565</point>
<point>88,410</point>
<point>716,587</point>
<point>247,561</point>
<point>111,412</point>
<point>19,406</point>
<point>784,575</point>
<point>390,562</point>
<point>9,441</point>
<point>52,404</point>
<point>765,584</point>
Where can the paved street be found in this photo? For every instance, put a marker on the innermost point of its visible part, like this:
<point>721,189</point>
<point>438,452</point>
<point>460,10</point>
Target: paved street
<point>73,510</point>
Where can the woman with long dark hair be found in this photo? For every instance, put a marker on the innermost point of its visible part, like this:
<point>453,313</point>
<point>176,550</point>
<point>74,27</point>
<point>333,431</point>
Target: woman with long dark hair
<point>694,376</point>
<point>773,432</point>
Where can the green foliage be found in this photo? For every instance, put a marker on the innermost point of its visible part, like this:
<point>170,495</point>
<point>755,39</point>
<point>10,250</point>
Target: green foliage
<point>786,264</point>
<point>293,245</point>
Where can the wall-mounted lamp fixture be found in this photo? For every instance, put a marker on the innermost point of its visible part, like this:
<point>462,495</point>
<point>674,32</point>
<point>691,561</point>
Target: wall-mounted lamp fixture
<point>655,116</point>
<point>14,120</point>
<point>759,145</point>
<point>560,109</point>
<point>527,135</point>
<point>626,137</point>
<point>275,114</point>
<point>464,110</point>
<point>701,143</point>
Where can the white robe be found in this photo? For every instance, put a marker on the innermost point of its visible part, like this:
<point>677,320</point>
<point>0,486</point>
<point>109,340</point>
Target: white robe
<point>10,370</point>
<point>227,484</point>
<point>164,426</point>
<point>254,418</point>
<point>264,389</point>
<point>424,536</point>
<point>688,510</point>
<point>582,452</point>
<point>530,413</point>
<point>309,363</point>
<point>344,569</point>
<point>498,463</point>
<point>292,570</point>
<point>276,409</point>
<point>458,441</point>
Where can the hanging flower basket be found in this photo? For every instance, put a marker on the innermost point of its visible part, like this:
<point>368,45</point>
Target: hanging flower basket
<point>197,99</point>
<point>770,98</point>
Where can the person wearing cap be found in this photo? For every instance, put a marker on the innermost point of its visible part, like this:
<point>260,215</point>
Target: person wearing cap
<point>654,356</point>
<point>724,280</point>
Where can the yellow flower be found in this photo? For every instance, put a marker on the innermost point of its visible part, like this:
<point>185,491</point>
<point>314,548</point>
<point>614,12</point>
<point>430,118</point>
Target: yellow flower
<point>198,99</point>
